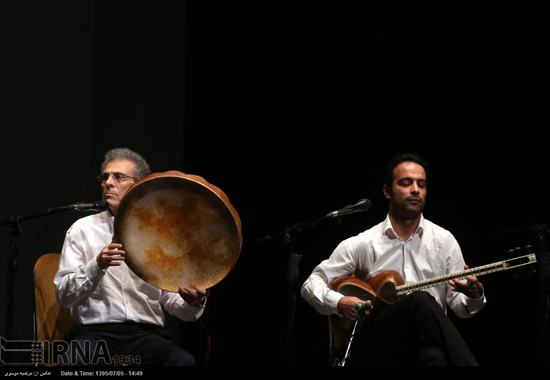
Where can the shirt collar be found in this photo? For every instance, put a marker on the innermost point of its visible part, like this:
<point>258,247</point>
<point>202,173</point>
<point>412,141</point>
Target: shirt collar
<point>389,231</point>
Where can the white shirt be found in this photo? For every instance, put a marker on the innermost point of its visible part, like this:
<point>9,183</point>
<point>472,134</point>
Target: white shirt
<point>115,294</point>
<point>430,252</point>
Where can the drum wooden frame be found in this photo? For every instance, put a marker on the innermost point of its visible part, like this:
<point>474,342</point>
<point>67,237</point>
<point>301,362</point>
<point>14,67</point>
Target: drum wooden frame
<point>178,230</point>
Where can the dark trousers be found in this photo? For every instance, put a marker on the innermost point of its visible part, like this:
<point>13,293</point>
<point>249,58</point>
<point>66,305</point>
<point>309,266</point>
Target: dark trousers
<point>413,331</point>
<point>124,343</point>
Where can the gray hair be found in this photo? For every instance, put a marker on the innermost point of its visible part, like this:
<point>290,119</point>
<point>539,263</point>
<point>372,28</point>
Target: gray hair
<point>140,171</point>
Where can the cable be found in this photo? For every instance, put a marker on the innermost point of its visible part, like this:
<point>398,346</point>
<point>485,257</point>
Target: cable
<point>36,238</point>
<point>358,325</point>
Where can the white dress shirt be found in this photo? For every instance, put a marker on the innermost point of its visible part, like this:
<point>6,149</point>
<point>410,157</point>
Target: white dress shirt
<point>115,294</point>
<point>430,252</point>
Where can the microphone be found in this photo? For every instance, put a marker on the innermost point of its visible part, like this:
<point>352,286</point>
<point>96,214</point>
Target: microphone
<point>362,205</point>
<point>95,206</point>
<point>362,306</point>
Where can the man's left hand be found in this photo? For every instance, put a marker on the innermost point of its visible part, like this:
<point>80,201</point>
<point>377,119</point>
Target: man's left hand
<point>194,297</point>
<point>471,288</point>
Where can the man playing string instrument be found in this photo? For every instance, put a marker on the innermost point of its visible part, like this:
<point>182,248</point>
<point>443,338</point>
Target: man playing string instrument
<point>414,330</point>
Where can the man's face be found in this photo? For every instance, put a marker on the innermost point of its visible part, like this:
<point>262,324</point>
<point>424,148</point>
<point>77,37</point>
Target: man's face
<point>112,190</point>
<point>407,196</point>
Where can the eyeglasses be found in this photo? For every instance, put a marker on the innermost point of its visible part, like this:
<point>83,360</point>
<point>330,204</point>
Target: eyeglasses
<point>119,177</point>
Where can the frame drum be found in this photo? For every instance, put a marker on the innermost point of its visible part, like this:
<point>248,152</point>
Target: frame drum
<point>178,230</point>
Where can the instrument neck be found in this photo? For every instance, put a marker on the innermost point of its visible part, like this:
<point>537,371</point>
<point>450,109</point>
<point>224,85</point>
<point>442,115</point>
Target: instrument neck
<point>479,271</point>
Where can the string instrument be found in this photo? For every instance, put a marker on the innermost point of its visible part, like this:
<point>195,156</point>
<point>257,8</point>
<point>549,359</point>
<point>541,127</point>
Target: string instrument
<point>388,286</point>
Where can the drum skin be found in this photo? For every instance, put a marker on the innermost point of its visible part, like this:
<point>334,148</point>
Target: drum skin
<point>178,230</point>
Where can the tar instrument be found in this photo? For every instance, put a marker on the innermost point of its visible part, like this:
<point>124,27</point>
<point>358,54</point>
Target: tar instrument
<point>178,230</point>
<point>388,287</point>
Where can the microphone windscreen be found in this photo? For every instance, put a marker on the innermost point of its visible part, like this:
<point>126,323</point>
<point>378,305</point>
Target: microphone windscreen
<point>101,204</point>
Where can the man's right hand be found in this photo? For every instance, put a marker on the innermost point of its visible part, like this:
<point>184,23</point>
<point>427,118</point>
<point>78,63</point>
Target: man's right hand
<point>346,308</point>
<point>112,255</point>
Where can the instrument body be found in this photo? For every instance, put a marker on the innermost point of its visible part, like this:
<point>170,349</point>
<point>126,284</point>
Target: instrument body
<point>380,290</point>
<point>178,230</point>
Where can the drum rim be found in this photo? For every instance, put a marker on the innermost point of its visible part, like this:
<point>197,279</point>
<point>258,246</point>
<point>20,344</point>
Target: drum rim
<point>124,208</point>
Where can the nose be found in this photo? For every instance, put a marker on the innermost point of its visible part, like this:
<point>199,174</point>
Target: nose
<point>110,182</point>
<point>414,188</point>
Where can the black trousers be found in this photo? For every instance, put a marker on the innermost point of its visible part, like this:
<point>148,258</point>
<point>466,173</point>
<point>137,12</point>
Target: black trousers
<point>124,343</point>
<point>413,331</point>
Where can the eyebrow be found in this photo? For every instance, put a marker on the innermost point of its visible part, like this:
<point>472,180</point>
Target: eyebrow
<point>411,179</point>
<point>114,173</point>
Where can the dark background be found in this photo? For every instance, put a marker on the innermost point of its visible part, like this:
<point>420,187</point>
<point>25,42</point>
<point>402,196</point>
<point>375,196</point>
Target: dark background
<point>292,109</point>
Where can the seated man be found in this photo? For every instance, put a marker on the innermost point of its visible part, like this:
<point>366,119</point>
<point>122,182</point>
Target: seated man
<point>415,329</point>
<point>117,311</point>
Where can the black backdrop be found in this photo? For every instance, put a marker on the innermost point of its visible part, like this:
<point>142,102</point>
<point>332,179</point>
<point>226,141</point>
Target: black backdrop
<point>293,110</point>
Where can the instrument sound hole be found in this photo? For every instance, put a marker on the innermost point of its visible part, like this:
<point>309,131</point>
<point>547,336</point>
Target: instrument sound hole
<point>354,291</point>
<point>388,293</point>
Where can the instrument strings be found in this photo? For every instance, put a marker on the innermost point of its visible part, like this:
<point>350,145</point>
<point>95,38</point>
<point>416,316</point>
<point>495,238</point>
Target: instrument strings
<point>479,271</point>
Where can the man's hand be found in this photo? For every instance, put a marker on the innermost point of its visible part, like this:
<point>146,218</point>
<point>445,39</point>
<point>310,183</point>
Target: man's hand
<point>471,288</point>
<point>346,308</point>
<point>194,297</point>
<point>112,255</point>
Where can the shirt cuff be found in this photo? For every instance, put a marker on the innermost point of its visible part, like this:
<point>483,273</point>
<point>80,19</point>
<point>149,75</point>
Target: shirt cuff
<point>476,304</point>
<point>93,271</point>
<point>331,300</point>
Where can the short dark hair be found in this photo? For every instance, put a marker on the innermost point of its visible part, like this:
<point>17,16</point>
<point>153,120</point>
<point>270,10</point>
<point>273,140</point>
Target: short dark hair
<point>403,157</point>
<point>140,171</point>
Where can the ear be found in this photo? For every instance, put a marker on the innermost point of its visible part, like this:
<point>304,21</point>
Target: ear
<point>387,191</point>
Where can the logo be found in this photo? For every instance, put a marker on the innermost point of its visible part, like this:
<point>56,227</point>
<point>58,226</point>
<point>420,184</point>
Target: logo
<point>20,352</point>
<point>33,352</point>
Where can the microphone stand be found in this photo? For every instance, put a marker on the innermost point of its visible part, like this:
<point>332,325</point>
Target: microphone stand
<point>15,230</point>
<point>289,237</point>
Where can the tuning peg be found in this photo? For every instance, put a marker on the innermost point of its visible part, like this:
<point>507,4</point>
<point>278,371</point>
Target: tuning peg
<point>513,253</point>
<point>529,250</point>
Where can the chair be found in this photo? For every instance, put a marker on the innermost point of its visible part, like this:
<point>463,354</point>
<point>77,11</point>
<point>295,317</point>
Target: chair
<point>52,322</point>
